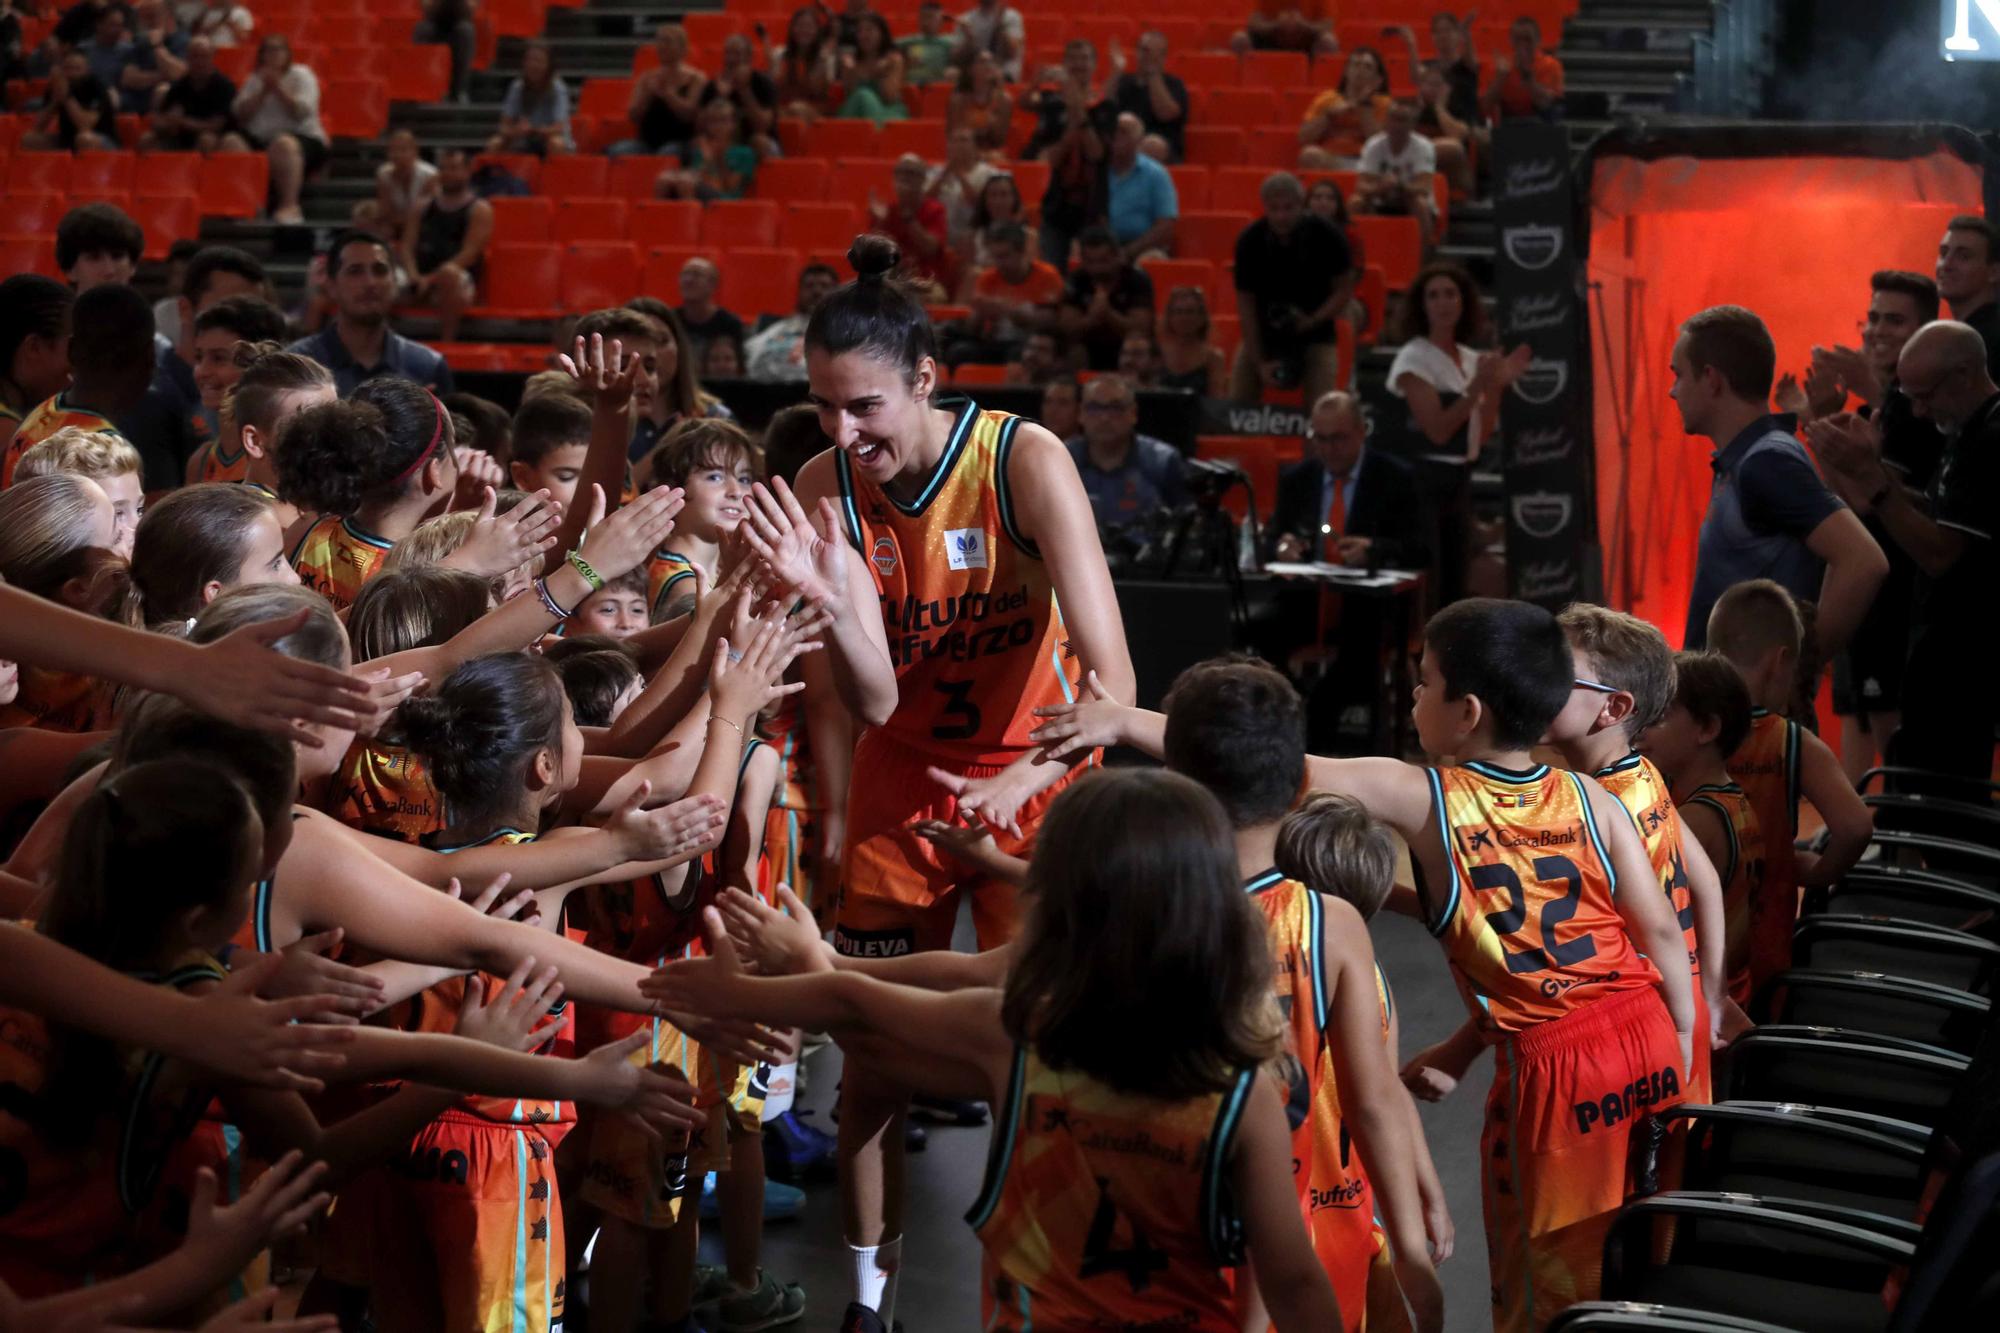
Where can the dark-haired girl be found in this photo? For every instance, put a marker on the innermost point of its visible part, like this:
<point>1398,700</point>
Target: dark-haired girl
<point>1137,1010</point>
<point>372,466</point>
<point>34,354</point>
<point>957,553</point>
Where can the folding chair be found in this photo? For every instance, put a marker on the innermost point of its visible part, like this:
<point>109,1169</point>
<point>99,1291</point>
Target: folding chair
<point>1909,895</point>
<point>1790,1265</point>
<point>1626,1317</point>
<point>1908,949</point>
<point>795,180</point>
<point>102,173</point>
<point>1882,1006</point>
<point>28,254</point>
<point>635,175</point>
<point>576,174</point>
<point>166,218</point>
<point>1788,1152</point>
<point>760,281</point>
<point>521,282</point>
<point>1974,863</point>
<point>734,223</point>
<point>40,171</point>
<point>666,222</point>
<point>234,185</point>
<point>527,219</point>
<point>596,274</point>
<point>1813,1067</point>
<point>167,173</point>
<point>582,218</point>
<point>1938,816</point>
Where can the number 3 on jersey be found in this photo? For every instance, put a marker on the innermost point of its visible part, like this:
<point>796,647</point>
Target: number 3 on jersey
<point>958,716</point>
<point>1550,871</point>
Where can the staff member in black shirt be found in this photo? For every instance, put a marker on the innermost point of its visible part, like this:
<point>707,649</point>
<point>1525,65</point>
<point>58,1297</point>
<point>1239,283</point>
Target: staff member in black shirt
<point>1294,274</point>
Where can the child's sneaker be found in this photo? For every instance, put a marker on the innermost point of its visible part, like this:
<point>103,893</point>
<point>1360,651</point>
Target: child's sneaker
<point>860,1319</point>
<point>769,1306</point>
<point>795,1151</point>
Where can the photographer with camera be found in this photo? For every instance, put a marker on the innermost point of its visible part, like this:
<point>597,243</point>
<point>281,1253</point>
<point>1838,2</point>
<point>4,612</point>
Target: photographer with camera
<point>1294,274</point>
<point>1130,478</point>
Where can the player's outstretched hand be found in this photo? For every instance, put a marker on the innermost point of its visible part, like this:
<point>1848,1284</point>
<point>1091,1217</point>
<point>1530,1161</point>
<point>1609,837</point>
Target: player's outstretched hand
<point>659,1096</point>
<point>809,560</point>
<point>306,969</point>
<point>995,800</point>
<point>285,1044</point>
<point>1089,721</point>
<point>512,1019</point>
<point>603,370</point>
<point>222,1239</point>
<point>242,679</point>
<point>772,942</point>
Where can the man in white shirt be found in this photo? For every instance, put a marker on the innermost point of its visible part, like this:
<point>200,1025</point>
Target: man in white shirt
<point>1397,165</point>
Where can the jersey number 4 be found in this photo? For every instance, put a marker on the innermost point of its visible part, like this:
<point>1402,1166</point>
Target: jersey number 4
<point>1508,922</point>
<point>1138,1261</point>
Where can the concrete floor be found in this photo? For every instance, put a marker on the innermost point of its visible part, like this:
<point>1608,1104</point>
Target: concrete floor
<point>939,1290</point>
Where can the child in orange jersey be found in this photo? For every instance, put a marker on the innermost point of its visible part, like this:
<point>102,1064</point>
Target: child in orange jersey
<point>1756,626</point>
<point>715,463</point>
<point>1693,744</point>
<point>272,386</point>
<point>1137,1152</point>
<point>105,457</point>
<point>1584,987</point>
<point>55,542</point>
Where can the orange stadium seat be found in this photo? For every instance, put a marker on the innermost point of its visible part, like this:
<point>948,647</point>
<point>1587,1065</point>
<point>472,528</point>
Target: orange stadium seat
<point>522,281</point>
<point>842,137</point>
<point>394,30</point>
<point>357,108</point>
<point>39,171</point>
<point>521,166</point>
<point>28,254</point>
<point>792,136</point>
<point>633,177</point>
<point>933,100</point>
<point>582,218</point>
<point>925,138</point>
<point>1033,178</point>
<point>1168,274</point>
<point>34,211</point>
<point>1276,144</point>
<point>1238,189</point>
<point>740,222</point>
<point>1182,34</point>
<point>1203,69</point>
<point>118,199</point>
<point>666,222</point>
<point>1209,233</point>
<point>604,97</point>
<point>576,173</point>
<point>1373,293</point>
<point>1239,107</point>
<point>423,72</point>
<point>92,173</point>
<point>1100,30</point>
<point>1275,69</point>
<point>1393,243</point>
<point>518,18</point>
<point>596,274</point>
<point>167,173</point>
<point>1260,458</point>
<point>661,276</point>
<point>1191,185</point>
<point>793,179</point>
<point>236,62</point>
<point>819,227</point>
<point>852,178</point>
<point>1214,146</point>
<point>978,373</point>
<point>707,32</point>
<point>760,281</point>
<point>527,220</point>
<point>234,185</point>
<point>166,218</point>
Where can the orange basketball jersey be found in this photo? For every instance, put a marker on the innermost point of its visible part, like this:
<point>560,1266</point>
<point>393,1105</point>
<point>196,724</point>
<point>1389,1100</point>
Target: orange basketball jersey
<point>335,558</point>
<point>1741,872</point>
<point>383,789</point>
<point>1103,1209</point>
<point>666,571</point>
<point>48,417</point>
<point>1292,915</point>
<point>1643,791</point>
<point>1526,919</point>
<point>54,701</point>
<point>975,634</point>
<point>1340,1213</point>
<point>219,466</point>
<point>1766,767</point>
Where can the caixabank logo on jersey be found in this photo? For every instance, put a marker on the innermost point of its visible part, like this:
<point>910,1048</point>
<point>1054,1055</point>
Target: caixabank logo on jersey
<point>1544,442</point>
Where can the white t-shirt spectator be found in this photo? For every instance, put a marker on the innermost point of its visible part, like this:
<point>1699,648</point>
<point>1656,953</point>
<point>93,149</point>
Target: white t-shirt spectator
<point>271,119</point>
<point>1431,364</point>
<point>224,25</point>
<point>1418,159</point>
<point>404,198</point>
<point>977,28</point>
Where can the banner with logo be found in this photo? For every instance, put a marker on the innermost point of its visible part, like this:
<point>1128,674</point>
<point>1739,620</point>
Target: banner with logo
<point>1538,285</point>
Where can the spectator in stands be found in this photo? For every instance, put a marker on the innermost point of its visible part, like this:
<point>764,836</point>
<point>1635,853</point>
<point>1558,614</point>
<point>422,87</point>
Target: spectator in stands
<point>1062,407</point>
<point>1129,477</point>
<point>999,201</point>
<point>1057,95</point>
<point>665,100</point>
<point>756,97</point>
<point>1452,389</point>
<point>449,23</point>
<point>404,187</point>
<point>915,220</point>
<point>699,313</point>
<point>444,246</point>
<point>1287,25</point>
<point>805,67</point>
<point>109,49</point>
<point>1013,297</point>
<point>278,110</point>
<point>1187,359</point>
<point>359,344</point>
<point>1344,503</point>
<point>223,22</point>
<point>34,346</point>
<point>847,24</point>
<point>157,57</point>
<point>78,111</point>
<point>1968,278</point>
<point>980,103</point>
<point>196,111</point>
<point>1397,167</point>
<point>777,354</point>
<point>1454,58</point>
<point>994,27</point>
<point>1139,361</point>
<point>1325,202</point>
<point>667,391</point>
<point>1340,120</point>
<point>1769,513</point>
<point>1948,529</point>
<point>956,183</point>
<point>1108,297</point>
<point>534,115</point>
<point>927,51</point>
<point>1449,136</point>
<point>1073,136</point>
<point>97,245</point>
<point>1528,84</point>
<point>1293,279</point>
<point>716,163</point>
<point>722,357</point>
<point>1039,362</point>
<point>1141,205</point>
<point>1157,98</point>
<point>873,73</point>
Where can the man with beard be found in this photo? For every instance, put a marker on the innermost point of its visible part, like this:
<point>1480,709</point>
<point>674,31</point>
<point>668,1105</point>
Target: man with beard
<point>359,344</point>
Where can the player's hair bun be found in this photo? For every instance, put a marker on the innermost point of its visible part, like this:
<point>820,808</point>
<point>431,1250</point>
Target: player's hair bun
<point>874,258</point>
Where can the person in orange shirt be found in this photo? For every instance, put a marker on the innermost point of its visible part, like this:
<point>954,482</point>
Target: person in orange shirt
<point>1288,25</point>
<point>1531,83</point>
<point>1012,297</point>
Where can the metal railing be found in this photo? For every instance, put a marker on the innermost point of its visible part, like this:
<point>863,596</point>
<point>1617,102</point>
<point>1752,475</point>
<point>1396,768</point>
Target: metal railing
<point>1732,63</point>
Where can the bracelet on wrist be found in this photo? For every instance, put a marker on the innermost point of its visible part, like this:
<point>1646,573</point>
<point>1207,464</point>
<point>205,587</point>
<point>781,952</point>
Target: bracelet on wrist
<point>582,566</point>
<point>727,722</point>
<point>549,602</point>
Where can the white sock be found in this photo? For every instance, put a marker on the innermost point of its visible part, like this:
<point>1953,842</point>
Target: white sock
<point>868,1278</point>
<point>889,1259</point>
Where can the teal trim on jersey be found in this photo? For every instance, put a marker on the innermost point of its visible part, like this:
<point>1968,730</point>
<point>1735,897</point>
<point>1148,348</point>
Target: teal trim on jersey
<point>1700,796</point>
<point>961,431</point>
<point>1625,765</point>
<point>1517,776</point>
<point>521,1232</point>
<point>844,477</point>
<point>490,838</point>
<point>1590,826</point>
<point>1263,880</point>
<point>1316,957</point>
<point>1221,1223</point>
<point>1001,1155</point>
<point>1003,491</point>
<point>365,538</point>
<point>1444,914</point>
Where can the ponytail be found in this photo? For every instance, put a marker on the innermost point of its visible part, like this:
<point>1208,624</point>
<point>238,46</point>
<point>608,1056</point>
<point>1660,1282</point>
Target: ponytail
<point>478,730</point>
<point>874,314</point>
<point>338,455</point>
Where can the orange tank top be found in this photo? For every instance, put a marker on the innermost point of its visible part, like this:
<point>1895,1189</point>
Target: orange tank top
<point>1340,1190</point>
<point>1642,790</point>
<point>1741,872</point>
<point>1292,917</point>
<point>1108,1210</point>
<point>384,789</point>
<point>219,466</point>
<point>666,571</point>
<point>54,701</point>
<point>975,635</point>
<point>48,417</point>
<point>1526,916</point>
<point>1766,767</point>
<point>335,558</point>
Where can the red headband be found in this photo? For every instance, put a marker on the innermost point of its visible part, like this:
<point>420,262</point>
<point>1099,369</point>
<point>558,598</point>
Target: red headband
<point>437,433</point>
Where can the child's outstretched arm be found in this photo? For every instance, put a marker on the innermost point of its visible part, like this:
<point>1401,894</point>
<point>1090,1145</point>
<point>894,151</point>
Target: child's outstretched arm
<point>1849,823</point>
<point>972,845</point>
<point>787,943</point>
<point>1293,1285</point>
<point>1095,718</point>
<point>1649,919</point>
<point>1394,792</point>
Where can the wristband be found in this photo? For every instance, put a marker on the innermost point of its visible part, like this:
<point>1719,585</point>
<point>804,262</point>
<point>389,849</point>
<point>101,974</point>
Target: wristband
<point>582,566</point>
<point>549,602</point>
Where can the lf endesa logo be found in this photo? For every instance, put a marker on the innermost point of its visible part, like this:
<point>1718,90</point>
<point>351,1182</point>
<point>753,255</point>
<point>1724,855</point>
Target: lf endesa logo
<point>1971,30</point>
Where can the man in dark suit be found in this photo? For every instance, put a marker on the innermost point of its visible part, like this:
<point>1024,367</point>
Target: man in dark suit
<point>1345,503</point>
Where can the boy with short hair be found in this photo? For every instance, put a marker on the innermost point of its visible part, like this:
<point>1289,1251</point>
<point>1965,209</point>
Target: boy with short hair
<point>716,464</point>
<point>1756,626</point>
<point>1693,744</point>
<point>617,610</point>
<point>551,437</point>
<point>108,459</point>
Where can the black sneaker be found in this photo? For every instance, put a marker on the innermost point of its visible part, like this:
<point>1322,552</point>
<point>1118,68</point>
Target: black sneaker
<point>961,1112</point>
<point>860,1319</point>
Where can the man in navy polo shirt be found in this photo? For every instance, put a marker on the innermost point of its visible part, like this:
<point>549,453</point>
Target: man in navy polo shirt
<point>359,344</point>
<point>1770,516</point>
